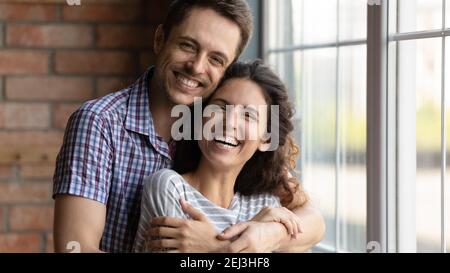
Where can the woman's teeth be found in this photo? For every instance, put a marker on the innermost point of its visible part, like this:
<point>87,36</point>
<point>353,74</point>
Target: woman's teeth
<point>187,82</point>
<point>227,142</point>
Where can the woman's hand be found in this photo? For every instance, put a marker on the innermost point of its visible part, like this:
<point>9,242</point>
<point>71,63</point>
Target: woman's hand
<point>194,235</point>
<point>254,237</point>
<point>281,215</point>
<point>264,232</point>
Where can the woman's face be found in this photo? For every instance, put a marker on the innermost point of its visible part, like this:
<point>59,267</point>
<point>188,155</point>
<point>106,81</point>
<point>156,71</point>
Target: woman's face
<point>239,122</point>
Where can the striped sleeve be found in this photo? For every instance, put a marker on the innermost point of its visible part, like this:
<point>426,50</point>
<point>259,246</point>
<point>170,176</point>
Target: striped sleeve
<point>160,197</point>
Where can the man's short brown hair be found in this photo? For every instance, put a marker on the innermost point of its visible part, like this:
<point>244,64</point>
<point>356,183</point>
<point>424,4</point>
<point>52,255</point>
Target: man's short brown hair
<point>237,11</point>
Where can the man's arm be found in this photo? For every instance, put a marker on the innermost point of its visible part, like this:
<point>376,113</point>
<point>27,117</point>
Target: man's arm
<point>265,235</point>
<point>78,219</point>
<point>313,226</point>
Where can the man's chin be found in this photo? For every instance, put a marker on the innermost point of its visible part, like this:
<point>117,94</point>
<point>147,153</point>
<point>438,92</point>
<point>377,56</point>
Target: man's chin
<point>182,99</point>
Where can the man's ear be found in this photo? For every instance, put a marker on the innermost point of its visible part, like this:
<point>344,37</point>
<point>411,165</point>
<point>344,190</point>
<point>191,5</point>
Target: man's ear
<point>264,146</point>
<point>159,40</point>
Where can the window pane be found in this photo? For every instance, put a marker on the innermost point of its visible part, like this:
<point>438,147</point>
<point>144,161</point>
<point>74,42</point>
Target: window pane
<point>392,15</point>
<point>419,15</point>
<point>298,22</point>
<point>287,66</point>
<point>447,116</point>
<point>421,68</point>
<point>352,20</point>
<point>352,130</point>
<point>282,25</point>
<point>318,128</point>
<point>319,21</point>
<point>447,13</point>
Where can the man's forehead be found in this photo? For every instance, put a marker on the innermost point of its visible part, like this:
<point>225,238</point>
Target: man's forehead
<point>211,30</point>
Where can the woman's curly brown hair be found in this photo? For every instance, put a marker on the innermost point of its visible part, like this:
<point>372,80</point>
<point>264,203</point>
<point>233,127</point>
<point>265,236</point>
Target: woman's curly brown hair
<point>265,172</point>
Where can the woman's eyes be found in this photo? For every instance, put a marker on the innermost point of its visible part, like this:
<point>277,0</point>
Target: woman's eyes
<point>250,116</point>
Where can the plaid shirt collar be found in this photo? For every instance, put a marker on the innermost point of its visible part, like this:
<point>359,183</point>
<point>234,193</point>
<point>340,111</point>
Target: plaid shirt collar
<point>139,118</point>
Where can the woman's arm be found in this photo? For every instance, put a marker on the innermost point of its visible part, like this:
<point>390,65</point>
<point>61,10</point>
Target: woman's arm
<point>196,235</point>
<point>164,222</point>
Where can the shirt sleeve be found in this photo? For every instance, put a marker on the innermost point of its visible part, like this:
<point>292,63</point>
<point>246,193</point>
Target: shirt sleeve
<point>83,165</point>
<point>160,197</point>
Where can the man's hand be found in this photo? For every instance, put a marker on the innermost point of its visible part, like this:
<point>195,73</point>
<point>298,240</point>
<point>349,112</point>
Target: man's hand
<point>194,235</point>
<point>254,237</point>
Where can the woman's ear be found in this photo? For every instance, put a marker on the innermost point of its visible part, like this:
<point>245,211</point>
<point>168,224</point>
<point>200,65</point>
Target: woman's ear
<point>264,146</point>
<point>159,40</point>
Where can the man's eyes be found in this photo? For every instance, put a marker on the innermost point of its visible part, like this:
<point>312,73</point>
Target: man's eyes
<point>217,61</point>
<point>188,47</point>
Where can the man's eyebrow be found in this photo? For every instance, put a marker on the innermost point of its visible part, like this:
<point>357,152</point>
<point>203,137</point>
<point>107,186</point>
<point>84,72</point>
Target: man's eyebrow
<point>192,40</point>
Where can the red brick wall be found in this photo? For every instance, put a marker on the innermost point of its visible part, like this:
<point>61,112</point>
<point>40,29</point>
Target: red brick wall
<point>53,57</point>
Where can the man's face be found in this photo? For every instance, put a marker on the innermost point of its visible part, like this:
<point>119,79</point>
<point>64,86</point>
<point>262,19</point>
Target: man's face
<point>193,59</point>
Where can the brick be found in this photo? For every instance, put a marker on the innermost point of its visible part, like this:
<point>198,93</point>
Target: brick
<point>112,84</point>
<point>2,219</point>
<point>29,153</point>
<point>25,193</point>
<point>34,138</point>
<point>92,62</point>
<point>48,88</point>
<point>39,171</point>
<point>20,243</point>
<point>102,13</point>
<point>29,147</point>
<point>26,116</point>
<point>6,171</point>
<point>28,12</point>
<point>62,113</point>
<point>2,116</point>
<point>125,36</point>
<point>49,246</point>
<point>1,34</point>
<point>2,97</point>
<point>28,218</point>
<point>1,88</point>
<point>13,62</point>
<point>68,36</point>
<point>155,11</point>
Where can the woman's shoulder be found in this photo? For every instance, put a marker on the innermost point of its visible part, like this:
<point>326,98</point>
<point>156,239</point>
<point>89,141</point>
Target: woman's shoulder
<point>260,200</point>
<point>164,179</point>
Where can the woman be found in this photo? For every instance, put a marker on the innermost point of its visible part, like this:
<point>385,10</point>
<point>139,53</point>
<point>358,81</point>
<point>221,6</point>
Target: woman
<point>231,176</point>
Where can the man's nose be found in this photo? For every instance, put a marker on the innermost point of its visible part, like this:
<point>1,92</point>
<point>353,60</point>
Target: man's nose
<point>197,65</point>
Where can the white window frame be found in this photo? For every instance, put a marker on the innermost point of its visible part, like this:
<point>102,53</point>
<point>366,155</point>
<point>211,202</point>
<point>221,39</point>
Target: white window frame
<point>391,151</point>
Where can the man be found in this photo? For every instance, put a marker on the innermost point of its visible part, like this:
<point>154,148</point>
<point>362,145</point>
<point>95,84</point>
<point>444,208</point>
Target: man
<point>113,143</point>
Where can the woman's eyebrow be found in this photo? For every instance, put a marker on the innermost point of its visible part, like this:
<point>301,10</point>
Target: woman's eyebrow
<point>220,100</point>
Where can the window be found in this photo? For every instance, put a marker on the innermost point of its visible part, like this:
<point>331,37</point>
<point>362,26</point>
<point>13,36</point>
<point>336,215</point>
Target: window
<point>418,48</point>
<point>320,49</point>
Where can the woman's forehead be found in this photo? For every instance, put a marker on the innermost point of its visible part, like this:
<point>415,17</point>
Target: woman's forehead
<point>240,91</point>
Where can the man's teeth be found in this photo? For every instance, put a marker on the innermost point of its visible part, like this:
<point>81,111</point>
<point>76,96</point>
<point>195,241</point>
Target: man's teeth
<point>227,140</point>
<point>187,82</point>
